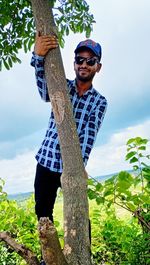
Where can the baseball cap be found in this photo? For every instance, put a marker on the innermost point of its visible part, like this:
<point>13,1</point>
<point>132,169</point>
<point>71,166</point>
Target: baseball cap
<point>92,45</point>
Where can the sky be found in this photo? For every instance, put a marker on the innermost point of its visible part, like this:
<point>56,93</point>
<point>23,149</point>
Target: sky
<point>123,29</point>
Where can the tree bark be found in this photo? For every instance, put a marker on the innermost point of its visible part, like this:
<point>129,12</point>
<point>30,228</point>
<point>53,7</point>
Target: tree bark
<point>74,182</point>
<point>24,252</point>
<point>51,248</point>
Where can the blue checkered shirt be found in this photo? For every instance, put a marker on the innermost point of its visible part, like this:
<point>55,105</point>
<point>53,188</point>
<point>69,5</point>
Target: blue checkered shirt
<point>88,109</point>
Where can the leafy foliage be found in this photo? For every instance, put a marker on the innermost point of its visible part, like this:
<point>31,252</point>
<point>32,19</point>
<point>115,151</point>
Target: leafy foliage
<point>115,240</point>
<point>21,223</point>
<point>130,192</point>
<point>17,29</point>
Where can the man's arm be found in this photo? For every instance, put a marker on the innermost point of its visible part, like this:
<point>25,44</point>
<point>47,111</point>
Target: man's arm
<point>88,135</point>
<point>42,45</point>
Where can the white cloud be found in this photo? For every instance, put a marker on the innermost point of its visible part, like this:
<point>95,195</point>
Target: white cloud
<point>110,158</point>
<point>19,172</point>
<point>122,27</point>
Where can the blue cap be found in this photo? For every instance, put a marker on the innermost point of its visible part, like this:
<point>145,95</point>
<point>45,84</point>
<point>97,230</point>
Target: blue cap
<point>92,45</point>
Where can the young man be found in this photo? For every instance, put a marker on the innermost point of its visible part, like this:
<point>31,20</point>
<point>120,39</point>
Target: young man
<point>89,108</point>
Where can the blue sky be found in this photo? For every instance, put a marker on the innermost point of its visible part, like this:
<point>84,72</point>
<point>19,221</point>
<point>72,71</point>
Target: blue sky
<point>123,29</point>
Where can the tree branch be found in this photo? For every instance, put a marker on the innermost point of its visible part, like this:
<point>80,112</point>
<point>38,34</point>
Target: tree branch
<point>141,219</point>
<point>51,249</point>
<point>122,206</point>
<point>24,252</point>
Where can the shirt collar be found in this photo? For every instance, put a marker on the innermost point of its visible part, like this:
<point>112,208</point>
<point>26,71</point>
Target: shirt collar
<point>89,91</point>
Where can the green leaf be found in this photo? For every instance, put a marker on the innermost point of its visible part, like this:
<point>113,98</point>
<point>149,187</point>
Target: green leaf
<point>130,141</point>
<point>91,182</point>
<point>146,176</point>
<point>135,167</point>
<point>6,64</point>
<point>110,203</point>
<point>88,32</point>
<point>124,182</point>
<point>57,223</point>
<point>143,141</point>
<point>137,181</point>
<point>142,147</point>
<point>2,181</point>
<point>130,154</point>
<point>108,192</point>
<point>18,60</point>
<point>146,170</point>
<point>126,194</point>
<point>111,180</point>
<point>131,206</point>
<point>100,200</point>
<point>13,57</point>
<point>25,45</point>
<point>133,160</point>
<point>135,199</point>
<point>91,194</point>
<point>10,62</point>
<point>99,187</point>
<point>30,43</point>
<point>145,198</point>
<point>67,31</point>
<point>125,176</point>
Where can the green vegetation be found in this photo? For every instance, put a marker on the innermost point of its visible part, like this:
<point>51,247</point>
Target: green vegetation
<point>119,213</point>
<point>123,240</point>
<point>17,28</point>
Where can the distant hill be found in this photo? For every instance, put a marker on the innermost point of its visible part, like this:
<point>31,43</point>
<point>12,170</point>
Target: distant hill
<point>105,177</point>
<point>20,196</point>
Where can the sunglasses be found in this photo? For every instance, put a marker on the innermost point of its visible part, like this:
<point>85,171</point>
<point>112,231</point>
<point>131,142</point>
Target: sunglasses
<point>89,61</point>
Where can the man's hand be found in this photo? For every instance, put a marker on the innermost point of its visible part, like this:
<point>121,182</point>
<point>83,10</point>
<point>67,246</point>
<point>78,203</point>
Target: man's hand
<point>44,43</point>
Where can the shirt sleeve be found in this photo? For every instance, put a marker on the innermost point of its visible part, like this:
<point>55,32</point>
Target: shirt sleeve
<point>88,135</point>
<point>38,63</point>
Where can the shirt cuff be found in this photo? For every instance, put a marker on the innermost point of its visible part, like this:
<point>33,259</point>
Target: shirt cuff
<point>38,57</point>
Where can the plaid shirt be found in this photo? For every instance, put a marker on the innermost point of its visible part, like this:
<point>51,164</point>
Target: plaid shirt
<point>88,109</point>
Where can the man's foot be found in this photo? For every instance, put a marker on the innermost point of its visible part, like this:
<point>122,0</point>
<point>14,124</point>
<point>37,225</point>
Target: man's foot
<point>42,262</point>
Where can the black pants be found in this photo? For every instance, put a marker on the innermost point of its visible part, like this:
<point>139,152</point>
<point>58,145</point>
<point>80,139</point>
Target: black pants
<point>46,185</point>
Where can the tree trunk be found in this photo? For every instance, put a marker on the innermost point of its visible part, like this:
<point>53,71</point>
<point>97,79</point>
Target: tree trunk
<point>74,182</point>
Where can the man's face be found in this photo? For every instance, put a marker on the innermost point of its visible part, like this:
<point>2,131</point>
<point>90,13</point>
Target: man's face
<point>84,71</point>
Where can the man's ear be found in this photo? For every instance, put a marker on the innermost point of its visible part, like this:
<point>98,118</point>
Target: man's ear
<point>99,66</point>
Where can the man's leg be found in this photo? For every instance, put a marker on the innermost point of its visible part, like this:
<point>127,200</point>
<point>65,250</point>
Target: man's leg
<point>46,185</point>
